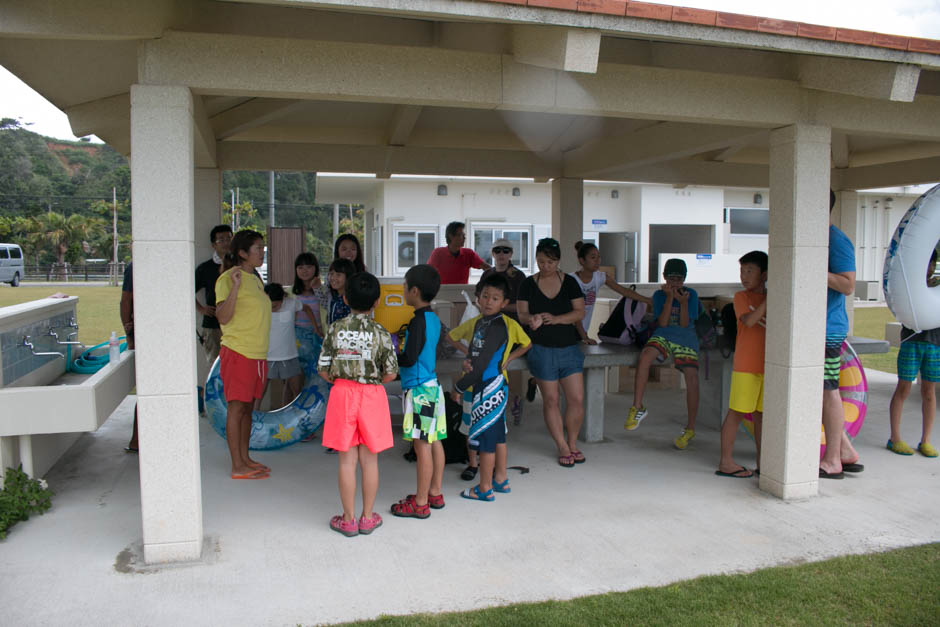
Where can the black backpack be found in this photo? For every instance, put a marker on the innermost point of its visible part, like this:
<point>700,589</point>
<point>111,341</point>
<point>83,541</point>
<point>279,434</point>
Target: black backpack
<point>455,444</point>
<point>728,335</point>
<point>705,328</point>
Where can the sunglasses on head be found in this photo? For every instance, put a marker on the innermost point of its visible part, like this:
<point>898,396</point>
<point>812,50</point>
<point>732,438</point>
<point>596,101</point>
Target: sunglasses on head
<point>502,249</point>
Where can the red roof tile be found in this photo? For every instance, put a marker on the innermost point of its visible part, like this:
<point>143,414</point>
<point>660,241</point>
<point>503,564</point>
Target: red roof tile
<point>780,27</point>
<point>610,7</point>
<point>736,20</point>
<point>649,11</point>
<point>694,16</point>
<point>568,5</point>
<point>670,13</point>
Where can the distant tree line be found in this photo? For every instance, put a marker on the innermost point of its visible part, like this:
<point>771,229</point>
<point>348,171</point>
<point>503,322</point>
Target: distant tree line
<point>56,200</point>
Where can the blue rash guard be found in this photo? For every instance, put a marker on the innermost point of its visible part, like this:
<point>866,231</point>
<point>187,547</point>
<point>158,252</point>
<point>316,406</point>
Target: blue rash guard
<point>418,360</point>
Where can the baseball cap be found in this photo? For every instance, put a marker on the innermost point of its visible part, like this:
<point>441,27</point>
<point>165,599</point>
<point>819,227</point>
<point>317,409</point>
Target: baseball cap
<point>500,243</point>
<point>675,267</point>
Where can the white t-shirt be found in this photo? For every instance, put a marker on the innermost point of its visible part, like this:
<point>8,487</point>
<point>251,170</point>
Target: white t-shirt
<point>282,344</point>
<point>590,294</point>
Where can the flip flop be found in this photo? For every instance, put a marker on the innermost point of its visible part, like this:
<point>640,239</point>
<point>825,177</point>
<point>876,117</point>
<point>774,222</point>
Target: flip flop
<point>474,494</point>
<point>852,467</point>
<point>128,449</point>
<point>502,487</point>
<point>834,475</point>
<point>566,461</point>
<point>579,457</point>
<point>251,476</point>
<point>736,474</point>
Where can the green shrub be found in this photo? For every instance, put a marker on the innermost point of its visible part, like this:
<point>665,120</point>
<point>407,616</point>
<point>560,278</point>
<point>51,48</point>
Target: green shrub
<point>20,497</point>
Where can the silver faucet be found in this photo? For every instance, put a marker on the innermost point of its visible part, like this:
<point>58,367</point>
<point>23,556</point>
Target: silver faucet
<point>28,344</point>
<point>68,341</point>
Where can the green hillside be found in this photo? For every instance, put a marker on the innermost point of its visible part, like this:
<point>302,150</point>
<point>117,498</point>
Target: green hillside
<point>56,200</point>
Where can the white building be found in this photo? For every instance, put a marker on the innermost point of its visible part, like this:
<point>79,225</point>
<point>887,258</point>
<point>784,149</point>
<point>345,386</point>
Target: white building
<point>636,225</point>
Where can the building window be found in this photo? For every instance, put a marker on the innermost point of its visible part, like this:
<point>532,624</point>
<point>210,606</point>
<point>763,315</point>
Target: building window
<point>483,236</point>
<point>749,221</point>
<point>413,245</point>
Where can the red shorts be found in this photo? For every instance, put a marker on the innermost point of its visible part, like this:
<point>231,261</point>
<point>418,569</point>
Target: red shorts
<point>243,379</point>
<point>357,413</point>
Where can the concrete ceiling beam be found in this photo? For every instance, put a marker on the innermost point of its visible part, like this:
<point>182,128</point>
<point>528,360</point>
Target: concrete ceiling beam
<point>107,115</point>
<point>565,49</point>
<point>324,70</point>
<point>840,150</point>
<point>385,159</point>
<point>668,141</point>
<point>914,172</point>
<point>867,79</point>
<point>403,121</point>
<point>251,114</point>
<point>87,19</point>
<point>204,143</point>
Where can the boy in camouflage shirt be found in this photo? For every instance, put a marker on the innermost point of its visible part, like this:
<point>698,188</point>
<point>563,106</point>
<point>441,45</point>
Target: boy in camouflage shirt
<point>357,358</point>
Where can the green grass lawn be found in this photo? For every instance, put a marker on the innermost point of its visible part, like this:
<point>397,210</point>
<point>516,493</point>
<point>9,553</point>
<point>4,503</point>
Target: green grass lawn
<point>98,307</point>
<point>870,322</point>
<point>893,588</point>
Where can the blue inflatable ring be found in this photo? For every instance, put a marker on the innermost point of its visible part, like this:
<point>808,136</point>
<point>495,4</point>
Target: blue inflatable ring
<point>287,425</point>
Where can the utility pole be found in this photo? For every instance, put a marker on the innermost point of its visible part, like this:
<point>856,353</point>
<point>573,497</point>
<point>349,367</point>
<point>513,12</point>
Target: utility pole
<point>335,221</point>
<point>232,191</point>
<point>114,259</point>
<point>271,196</point>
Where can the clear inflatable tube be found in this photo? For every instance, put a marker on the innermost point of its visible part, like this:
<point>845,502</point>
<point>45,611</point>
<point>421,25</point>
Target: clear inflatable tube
<point>915,305</point>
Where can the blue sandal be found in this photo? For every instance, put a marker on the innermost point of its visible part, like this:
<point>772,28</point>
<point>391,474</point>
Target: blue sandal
<point>474,494</point>
<point>502,487</point>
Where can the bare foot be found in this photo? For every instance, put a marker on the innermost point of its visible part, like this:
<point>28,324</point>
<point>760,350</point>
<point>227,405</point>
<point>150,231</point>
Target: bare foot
<point>258,465</point>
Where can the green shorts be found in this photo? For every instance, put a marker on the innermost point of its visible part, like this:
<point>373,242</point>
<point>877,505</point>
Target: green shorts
<point>425,416</point>
<point>682,356</point>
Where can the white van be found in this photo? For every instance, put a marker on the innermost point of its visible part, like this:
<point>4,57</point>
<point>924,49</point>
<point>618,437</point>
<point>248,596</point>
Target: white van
<point>11,264</point>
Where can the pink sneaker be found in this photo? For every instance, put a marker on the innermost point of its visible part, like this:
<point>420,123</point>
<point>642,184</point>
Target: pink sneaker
<point>348,528</point>
<point>368,525</point>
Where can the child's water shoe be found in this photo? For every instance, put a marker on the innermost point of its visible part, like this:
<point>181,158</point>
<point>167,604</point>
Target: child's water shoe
<point>368,525</point>
<point>927,449</point>
<point>635,417</point>
<point>683,440</point>
<point>409,508</point>
<point>900,447</point>
<point>348,528</point>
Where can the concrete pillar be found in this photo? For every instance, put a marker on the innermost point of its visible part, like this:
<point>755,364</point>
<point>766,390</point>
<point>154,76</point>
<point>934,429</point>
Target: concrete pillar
<point>208,211</point>
<point>796,318</point>
<point>162,171</point>
<point>568,218</point>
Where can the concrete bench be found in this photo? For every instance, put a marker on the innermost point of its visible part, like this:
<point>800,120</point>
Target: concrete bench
<point>596,361</point>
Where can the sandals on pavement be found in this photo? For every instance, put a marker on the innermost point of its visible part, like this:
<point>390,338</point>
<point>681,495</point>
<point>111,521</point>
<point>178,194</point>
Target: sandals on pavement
<point>567,461</point>
<point>579,457</point>
<point>737,474</point>
<point>475,494</point>
<point>502,487</point>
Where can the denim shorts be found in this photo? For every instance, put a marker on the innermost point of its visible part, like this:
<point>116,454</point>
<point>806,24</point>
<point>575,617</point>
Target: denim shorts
<point>549,363</point>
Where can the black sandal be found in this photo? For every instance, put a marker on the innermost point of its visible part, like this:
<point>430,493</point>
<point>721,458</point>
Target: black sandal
<point>469,473</point>
<point>530,392</point>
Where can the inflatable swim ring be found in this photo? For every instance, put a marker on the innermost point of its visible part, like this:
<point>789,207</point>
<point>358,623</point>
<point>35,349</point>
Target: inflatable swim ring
<point>915,305</point>
<point>853,388</point>
<point>285,426</point>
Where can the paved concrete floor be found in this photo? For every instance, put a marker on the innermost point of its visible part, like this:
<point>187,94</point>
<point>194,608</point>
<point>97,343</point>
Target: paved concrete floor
<point>638,513</point>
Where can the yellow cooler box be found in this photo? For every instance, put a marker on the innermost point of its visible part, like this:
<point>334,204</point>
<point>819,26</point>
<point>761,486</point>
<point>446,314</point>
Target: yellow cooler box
<point>391,311</point>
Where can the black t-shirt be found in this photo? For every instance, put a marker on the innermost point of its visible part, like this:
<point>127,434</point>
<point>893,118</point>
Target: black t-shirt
<point>555,335</point>
<point>207,273</point>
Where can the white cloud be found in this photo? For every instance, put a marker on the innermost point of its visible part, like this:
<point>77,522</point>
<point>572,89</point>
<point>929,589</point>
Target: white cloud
<point>34,112</point>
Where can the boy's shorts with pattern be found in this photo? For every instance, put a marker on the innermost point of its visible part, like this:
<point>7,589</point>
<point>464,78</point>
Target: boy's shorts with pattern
<point>243,379</point>
<point>747,392</point>
<point>357,413</point>
<point>494,434</point>
<point>832,366</point>
<point>425,417</point>
<point>922,357</point>
<point>682,356</point>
